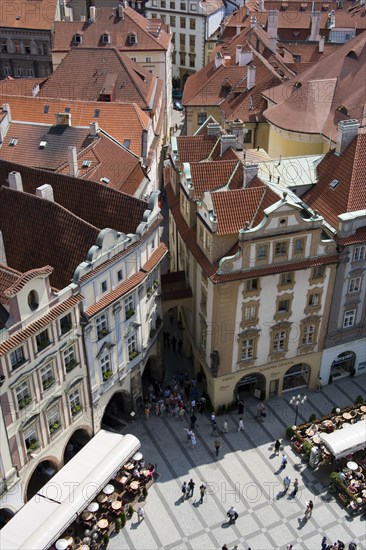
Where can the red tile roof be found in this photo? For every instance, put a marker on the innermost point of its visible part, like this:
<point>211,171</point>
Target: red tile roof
<point>350,170</point>
<point>195,148</point>
<point>208,176</point>
<point>358,237</point>
<point>150,35</point>
<point>22,335</point>
<point>25,278</point>
<point>155,258</point>
<point>124,122</point>
<point>104,72</point>
<point>33,14</point>
<point>8,277</point>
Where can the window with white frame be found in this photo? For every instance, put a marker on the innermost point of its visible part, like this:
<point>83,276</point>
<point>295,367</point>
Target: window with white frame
<point>47,376</point>
<point>279,340</point>
<point>129,306</point>
<point>286,278</point>
<point>53,419</point>
<point>349,318</point>
<point>132,346</point>
<point>69,359</point>
<point>106,366</point>
<point>359,253</point>
<point>318,272</point>
<point>31,439</point>
<point>75,402</point>
<point>101,326</point>
<point>66,323</point>
<point>283,306</point>
<point>251,285</point>
<point>42,340</point>
<point>280,249</point>
<point>247,349</point>
<point>201,117</point>
<point>250,313</point>
<point>23,394</point>
<point>355,285</point>
<point>17,358</point>
<point>308,335</point>
<point>314,299</point>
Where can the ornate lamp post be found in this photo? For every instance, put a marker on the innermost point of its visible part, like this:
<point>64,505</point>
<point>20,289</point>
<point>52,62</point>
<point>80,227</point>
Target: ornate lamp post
<point>297,401</point>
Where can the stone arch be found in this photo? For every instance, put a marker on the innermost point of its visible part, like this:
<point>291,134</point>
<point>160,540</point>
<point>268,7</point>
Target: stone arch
<point>248,384</point>
<point>77,440</point>
<point>116,411</point>
<point>297,376</point>
<point>41,474</point>
<point>6,513</point>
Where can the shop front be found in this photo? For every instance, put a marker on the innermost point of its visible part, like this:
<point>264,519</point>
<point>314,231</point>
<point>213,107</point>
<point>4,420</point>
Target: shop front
<point>343,365</point>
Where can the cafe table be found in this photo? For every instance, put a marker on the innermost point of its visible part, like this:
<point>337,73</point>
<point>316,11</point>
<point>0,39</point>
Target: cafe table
<point>363,408</point>
<point>116,505</point>
<point>352,465</point>
<point>86,515</point>
<point>129,466</point>
<point>102,498</point>
<point>316,439</point>
<point>134,485</point>
<point>102,523</point>
<point>347,416</point>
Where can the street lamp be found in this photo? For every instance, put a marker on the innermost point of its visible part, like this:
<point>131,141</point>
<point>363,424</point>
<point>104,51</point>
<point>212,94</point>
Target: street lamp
<point>297,401</point>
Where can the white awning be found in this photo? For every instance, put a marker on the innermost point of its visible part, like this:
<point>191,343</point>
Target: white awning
<point>350,439</point>
<point>46,516</point>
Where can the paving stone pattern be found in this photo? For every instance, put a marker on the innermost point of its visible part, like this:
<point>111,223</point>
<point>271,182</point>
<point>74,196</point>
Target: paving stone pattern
<point>246,474</point>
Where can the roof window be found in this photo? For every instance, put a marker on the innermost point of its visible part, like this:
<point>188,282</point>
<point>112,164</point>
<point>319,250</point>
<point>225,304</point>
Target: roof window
<point>105,180</point>
<point>334,183</point>
<point>297,84</point>
<point>86,163</point>
<point>132,38</point>
<point>342,109</point>
<point>77,39</point>
<point>13,142</point>
<point>106,38</point>
<point>96,113</point>
<point>46,109</point>
<point>127,143</point>
<point>42,144</point>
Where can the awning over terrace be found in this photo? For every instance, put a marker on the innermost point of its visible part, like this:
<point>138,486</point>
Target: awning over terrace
<point>46,516</point>
<point>350,439</point>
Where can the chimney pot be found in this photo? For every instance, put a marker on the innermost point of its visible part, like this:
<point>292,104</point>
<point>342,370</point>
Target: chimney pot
<point>92,13</point>
<point>347,130</point>
<point>15,181</point>
<point>213,128</point>
<point>73,161</point>
<point>63,119</point>
<point>45,192</point>
<point>228,140</point>
<point>218,60</point>
<point>120,10</point>
<point>94,129</point>
<point>250,171</point>
<point>250,77</point>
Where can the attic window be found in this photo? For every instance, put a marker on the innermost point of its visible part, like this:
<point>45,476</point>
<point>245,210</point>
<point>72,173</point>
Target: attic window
<point>132,38</point>
<point>297,84</point>
<point>46,109</point>
<point>352,55</point>
<point>18,17</point>
<point>342,109</point>
<point>77,39</point>
<point>13,142</point>
<point>86,163</point>
<point>105,180</point>
<point>333,184</point>
<point>67,109</point>
<point>296,34</point>
<point>106,38</point>
<point>96,113</point>
<point>42,144</point>
<point>127,143</point>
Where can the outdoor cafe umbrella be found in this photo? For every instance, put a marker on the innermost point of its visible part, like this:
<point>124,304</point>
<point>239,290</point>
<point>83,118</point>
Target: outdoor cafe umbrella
<point>62,544</point>
<point>137,456</point>
<point>93,507</point>
<point>108,489</point>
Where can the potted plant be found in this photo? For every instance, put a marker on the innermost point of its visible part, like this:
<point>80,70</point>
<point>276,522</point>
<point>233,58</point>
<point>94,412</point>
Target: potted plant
<point>359,400</point>
<point>335,481</point>
<point>133,354</point>
<point>76,409</point>
<point>117,525</point>
<point>130,510</point>
<point>312,418</point>
<point>130,312</point>
<point>54,427</point>
<point>106,540</point>
<point>289,432</point>
<point>107,374</point>
<point>34,445</point>
<point>306,449</point>
<point>145,492</point>
<point>123,519</point>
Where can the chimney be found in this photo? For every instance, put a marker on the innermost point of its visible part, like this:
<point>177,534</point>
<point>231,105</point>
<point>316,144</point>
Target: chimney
<point>321,44</point>
<point>92,13</point>
<point>331,21</point>
<point>120,10</point>
<point>93,129</point>
<point>45,192</point>
<point>63,119</point>
<point>73,161</point>
<point>250,172</point>
<point>15,181</point>
<point>253,22</point>
<point>250,77</point>
<point>144,151</point>
<point>261,5</point>
<point>238,129</point>
<point>347,130</point>
<point>272,24</point>
<point>226,141</point>
<point>315,26</point>
<point>6,109</point>
<point>238,30</point>
<point>213,129</point>
<point>242,57</point>
<point>218,60</point>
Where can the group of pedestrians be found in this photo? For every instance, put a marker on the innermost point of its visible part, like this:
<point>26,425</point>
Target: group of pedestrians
<point>188,490</point>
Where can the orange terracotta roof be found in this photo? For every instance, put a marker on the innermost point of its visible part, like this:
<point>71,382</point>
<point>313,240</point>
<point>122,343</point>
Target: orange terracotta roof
<point>25,278</point>
<point>358,237</point>
<point>106,72</point>
<point>55,312</point>
<point>155,258</point>
<point>32,14</point>
<point>208,176</point>
<point>350,170</point>
<point>150,35</point>
<point>124,122</point>
<point>8,277</point>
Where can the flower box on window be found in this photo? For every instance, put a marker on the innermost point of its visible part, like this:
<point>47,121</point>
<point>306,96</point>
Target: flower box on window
<point>32,447</point>
<point>43,344</point>
<point>71,365</point>
<point>47,383</point>
<point>133,354</point>
<point>129,313</point>
<point>156,283</point>
<point>107,374</point>
<point>54,427</point>
<point>103,332</point>
<point>24,402</point>
<point>75,409</point>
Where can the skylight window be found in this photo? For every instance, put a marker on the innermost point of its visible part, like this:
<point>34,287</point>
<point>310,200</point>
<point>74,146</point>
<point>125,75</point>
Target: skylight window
<point>86,163</point>
<point>105,180</point>
<point>46,109</point>
<point>96,113</point>
<point>13,142</point>
<point>67,109</point>
<point>334,183</point>
<point>43,144</point>
<point>127,143</point>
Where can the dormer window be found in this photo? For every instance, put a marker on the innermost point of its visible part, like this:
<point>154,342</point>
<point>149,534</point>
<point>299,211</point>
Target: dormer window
<point>342,109</point>
<point>132,38</point>
<point>297,84</point>
<point>33,300</point>
<point>106,38</point>
<point>77,39</point>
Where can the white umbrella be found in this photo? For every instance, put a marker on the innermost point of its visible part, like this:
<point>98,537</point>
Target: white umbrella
<point>62,544</point>
<point>93,507</point>
<point>108,489</point>
<point>137,456</point>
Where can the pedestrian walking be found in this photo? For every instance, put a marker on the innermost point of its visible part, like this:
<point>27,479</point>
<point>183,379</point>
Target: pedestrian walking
<point>191,485</point>
<point>296,487</point>
<point>240,407</point>
<point>277,446</point>
<point>308,510</point>
<point>193,419</point>
<point>286,483</point>
<point>224,427</point>
<point>213,417</point>
<point>241,425</point>
<point>232,514</point>
<point>289,547</point>
<point>147,412</point>
<point>193,441</point>
<point>180,344</point>
<point>324,543</point>
<point>184,489</point>
<point>181,414</point>
<point>283,461</point>
<point>225,547</point>
<point>319,383</point>
<point>202,492</point>
<point>174,343</point>
<point>140,513</point>
<point>261,412</point>
<point>217,445</point>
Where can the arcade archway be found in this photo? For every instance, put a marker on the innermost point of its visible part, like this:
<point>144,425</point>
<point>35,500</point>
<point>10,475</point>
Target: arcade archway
<point>250,385</point>
<point>296,377</point>
<point>114,417</point>
<point>5,515</point>
<point>40,476</point>
<point>76,442</point>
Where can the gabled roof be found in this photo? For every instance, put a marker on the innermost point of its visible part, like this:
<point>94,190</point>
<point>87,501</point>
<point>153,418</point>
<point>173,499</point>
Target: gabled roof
<point>349,195</point>
<point>308,103</point>
<point>64,230</point>
<point>90,73</point>
<point>124,122</point>
<point>195,148</point>
<point>151,35</point>
<point>208,176</point>
<point>33,14</point>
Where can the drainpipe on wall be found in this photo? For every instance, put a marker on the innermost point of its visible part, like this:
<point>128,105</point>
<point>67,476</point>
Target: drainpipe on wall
<point>84,321</point>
